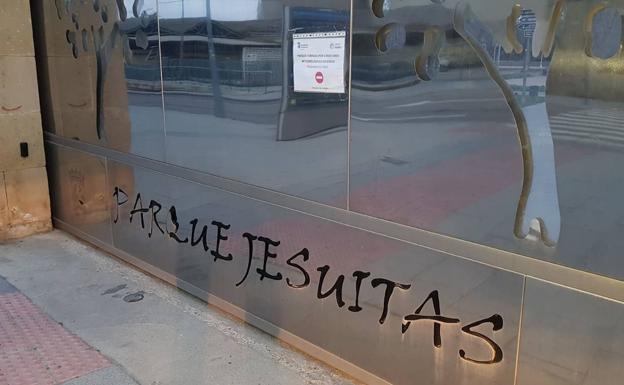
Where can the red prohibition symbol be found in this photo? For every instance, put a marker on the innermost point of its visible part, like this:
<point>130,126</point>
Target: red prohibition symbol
<point>319,77</point>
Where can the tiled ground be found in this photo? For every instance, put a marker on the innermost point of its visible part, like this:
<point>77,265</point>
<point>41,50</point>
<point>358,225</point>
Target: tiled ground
<point>165,338</point>
<point>35,350</point>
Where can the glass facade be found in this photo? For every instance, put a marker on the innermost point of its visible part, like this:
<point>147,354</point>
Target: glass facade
<point>471,168</point>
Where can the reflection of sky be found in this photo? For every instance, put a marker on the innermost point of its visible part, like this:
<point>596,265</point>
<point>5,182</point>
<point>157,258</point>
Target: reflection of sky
<point>219,9</point>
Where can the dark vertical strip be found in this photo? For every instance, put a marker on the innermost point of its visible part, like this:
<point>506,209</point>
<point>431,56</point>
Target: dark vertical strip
<point>517,362</point>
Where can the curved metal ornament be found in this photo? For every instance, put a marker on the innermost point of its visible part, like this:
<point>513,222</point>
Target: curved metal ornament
<point>537,216</point>
<point>523,35</point>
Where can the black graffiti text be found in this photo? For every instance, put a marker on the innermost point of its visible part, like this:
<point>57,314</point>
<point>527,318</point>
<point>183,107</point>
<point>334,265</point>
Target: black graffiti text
<point>329,283</point>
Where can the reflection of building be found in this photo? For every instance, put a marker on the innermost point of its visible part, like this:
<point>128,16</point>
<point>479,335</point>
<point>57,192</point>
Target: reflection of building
<point>248,53</point>
<point>141,53</point>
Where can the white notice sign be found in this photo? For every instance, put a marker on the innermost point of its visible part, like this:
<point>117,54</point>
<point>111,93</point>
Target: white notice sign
<point>318,62</point>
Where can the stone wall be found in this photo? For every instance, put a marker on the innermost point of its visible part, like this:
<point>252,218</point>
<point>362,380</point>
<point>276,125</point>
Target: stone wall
<point>24,196</point>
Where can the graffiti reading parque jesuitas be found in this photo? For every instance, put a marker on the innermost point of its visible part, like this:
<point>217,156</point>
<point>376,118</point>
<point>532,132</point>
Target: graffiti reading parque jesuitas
<point>155,218</point>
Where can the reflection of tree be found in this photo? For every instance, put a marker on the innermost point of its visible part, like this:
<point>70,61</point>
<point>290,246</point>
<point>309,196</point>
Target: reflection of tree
<point>103,39</point>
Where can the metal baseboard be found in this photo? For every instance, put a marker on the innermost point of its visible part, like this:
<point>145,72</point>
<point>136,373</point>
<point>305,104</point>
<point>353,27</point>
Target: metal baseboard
<point>277,332</point>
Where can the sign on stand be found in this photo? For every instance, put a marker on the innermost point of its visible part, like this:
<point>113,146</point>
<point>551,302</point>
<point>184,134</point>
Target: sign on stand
<point>318,62</point>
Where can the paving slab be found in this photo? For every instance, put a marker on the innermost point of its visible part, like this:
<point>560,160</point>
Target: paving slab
<point>155,332</point>
<point>34,349</point>
<point>107,376</point>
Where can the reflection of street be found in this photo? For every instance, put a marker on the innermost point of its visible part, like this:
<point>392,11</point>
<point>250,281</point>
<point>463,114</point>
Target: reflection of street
<point>147,137</point>
<point>462,284</point>
<point>426,152</point>
<point>447,158</point>
<point>243,146</point>
<point>470,99</point>
<point>251,109</point>
<point>604,127</point>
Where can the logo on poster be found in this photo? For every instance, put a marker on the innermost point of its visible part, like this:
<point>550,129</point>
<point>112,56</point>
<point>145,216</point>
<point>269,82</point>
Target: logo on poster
<point>319,77</point>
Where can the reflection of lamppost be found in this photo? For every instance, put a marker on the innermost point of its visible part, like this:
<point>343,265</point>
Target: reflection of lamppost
<point>219,110</point>
<point>526,25</point>
<point>182,35</point>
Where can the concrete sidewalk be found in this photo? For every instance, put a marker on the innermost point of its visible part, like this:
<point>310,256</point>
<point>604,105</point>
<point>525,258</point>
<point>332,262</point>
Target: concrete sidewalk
<point>112,324</point>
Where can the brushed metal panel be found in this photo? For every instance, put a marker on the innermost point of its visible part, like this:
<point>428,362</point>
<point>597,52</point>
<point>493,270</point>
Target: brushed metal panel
<point>101,73</point>
<point>436,145</point>
<point>559,274</point>
<point>440,154</point>
<point>229,100</point>
<point>570,338</point>
<point>78,190</point>
<point>587,123</point>
<point>147,229</point>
